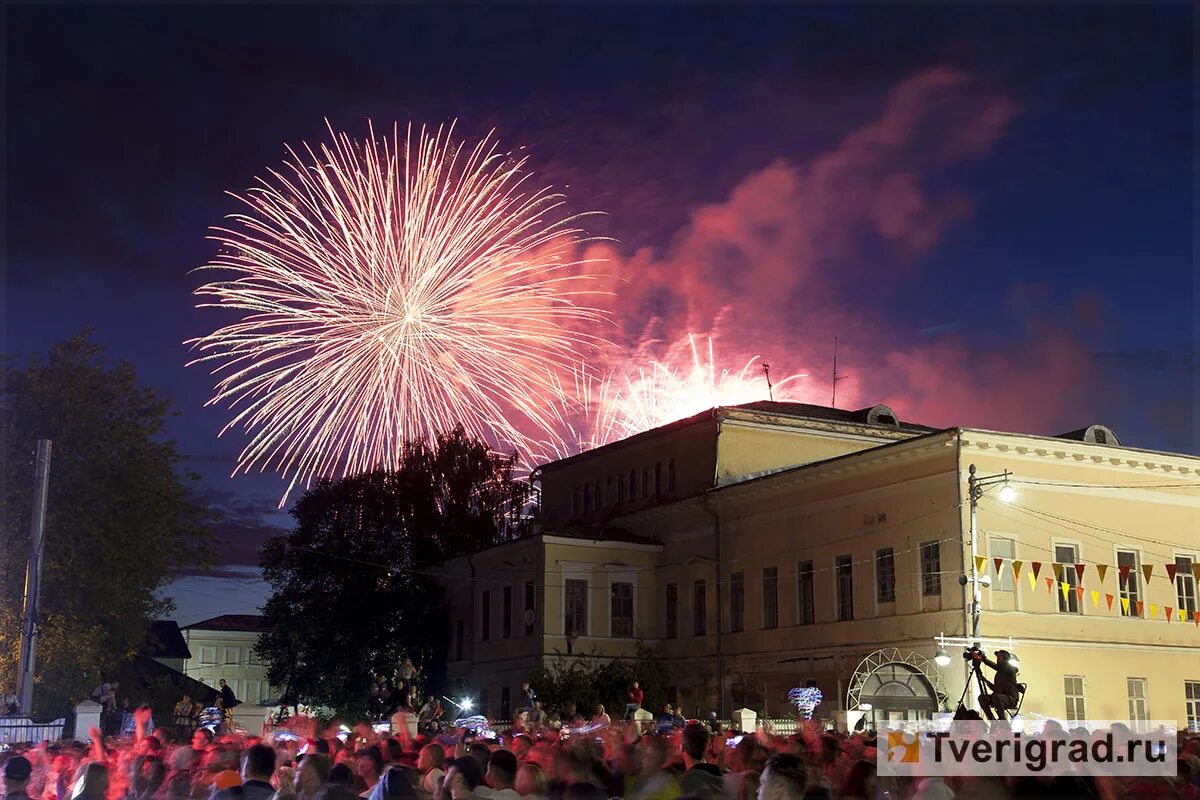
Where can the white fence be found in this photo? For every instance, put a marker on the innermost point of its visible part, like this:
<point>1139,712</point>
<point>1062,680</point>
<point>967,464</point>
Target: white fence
<point>15,730</point>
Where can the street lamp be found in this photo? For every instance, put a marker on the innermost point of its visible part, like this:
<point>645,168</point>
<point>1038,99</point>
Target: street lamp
<point>941,657</point>
<point>975,490</point>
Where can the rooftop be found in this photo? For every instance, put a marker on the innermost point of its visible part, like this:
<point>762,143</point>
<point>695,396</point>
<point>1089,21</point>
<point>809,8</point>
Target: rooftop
<point>870,416</point>
<point>230,622</point>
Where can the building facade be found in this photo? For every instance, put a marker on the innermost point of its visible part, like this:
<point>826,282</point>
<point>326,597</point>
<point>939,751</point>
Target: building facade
<point>776,545</point>
<point>223,648</point>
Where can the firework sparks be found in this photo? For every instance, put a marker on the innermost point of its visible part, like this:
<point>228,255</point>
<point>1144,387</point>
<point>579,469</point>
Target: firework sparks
<point>389,289</point>
<point>683,384</point>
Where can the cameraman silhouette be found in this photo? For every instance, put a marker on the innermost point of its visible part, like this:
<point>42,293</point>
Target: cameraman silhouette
<point>1005,692</point>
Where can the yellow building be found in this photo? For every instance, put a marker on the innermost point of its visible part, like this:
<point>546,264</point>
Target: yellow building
<point>222,648</point>
<point>770,545</point>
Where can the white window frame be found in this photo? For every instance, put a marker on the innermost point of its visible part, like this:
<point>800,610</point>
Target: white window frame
<point>226,661</point>
<point>1071,709</point>
<point>1136,569</point>
<point>1005,570</point>
<point>1138,716</point>
<point>1072,581</point>
<point>1190,579</point>
<point>253,695</point>
<point>208,655</point>
<point>236,685</point>
<point>1191,705</point>
<point>628,576</point>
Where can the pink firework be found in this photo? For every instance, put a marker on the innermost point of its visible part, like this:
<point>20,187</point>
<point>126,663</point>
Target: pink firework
<point>388,289</point>
<point>651,392</point>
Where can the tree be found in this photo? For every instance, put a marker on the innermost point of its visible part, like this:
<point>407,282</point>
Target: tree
<point>119,521</point>
<point>590,679</point>
<point>352,585</point>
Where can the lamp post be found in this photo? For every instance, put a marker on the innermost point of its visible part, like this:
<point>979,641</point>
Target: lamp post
<point>975,489</point>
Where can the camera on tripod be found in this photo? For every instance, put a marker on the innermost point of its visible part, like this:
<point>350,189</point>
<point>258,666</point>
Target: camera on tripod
<point>974,655</point>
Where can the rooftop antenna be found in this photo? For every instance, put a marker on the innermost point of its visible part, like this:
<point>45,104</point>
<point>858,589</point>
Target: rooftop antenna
<point>770,390</point>
<point>836,377</point>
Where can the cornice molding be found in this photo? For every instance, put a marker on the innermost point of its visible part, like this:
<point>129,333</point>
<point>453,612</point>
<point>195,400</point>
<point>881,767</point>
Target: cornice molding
<point>1085,454</point>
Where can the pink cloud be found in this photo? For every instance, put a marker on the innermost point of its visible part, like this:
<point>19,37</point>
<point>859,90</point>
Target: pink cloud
<point>766,270</point>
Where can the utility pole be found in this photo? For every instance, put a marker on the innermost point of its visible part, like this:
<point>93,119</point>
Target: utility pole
<point>33,577</point>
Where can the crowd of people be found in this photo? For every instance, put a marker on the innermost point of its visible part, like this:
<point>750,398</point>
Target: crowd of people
<point>663,761</point>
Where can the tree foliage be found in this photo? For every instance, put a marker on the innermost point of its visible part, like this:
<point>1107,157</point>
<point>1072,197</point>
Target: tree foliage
<point>119,521</point>
<point>590,679</point>
<point>353,590</point>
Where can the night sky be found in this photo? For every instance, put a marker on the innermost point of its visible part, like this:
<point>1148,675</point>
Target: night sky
<point>992,207</point>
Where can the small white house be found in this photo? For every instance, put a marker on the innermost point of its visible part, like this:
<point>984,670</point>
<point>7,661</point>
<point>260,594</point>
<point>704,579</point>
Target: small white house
<point>223,648</point>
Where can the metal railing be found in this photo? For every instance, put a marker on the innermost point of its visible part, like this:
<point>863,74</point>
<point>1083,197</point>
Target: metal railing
<point>15,730</point>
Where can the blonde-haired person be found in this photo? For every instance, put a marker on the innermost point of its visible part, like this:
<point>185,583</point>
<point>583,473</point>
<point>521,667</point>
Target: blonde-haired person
<point>531,783</point>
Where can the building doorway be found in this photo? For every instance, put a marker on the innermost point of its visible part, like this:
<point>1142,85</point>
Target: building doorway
<point>895,685</point>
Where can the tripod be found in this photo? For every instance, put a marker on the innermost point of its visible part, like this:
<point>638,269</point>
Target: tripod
<point>986,689</point>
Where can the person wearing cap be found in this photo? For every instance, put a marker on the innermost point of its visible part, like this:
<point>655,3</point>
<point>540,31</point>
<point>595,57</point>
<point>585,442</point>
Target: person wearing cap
<point>1005,692</point>
<point>16,775</point>
<point>463,777</point>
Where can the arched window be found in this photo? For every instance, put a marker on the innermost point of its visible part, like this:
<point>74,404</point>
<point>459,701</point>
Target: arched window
<point>587,498</point>
<point>599,496</point>
<point>657,478</point>
<point>632,485</point>
<point>608,492</point>
<point>645,483</point>
<point>575,502</point>
<point>620,490</point>
<point>671,476</point>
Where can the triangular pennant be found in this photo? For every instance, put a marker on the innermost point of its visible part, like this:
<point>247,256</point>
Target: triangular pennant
<point>1079,593</point>
<point>1037,567</point>
<point>1102,570</point>
<point>1109,598</point>
<point>1016,567</point>
<point>1141,607</point>
<point>1124,604</point>
<point>1153,610</point>
<point>1124,568</point>
<point>1095,599</point>
<point>1171,572</point>
<point>1032,581</point>
<point>1196,571</point>
<point>1148,571</point>
<point>1079,571</point>
<point>979,562</point>
<point>1182,615</point>
<point>1065,587</point>
<point>1167,610</point>
<point>1049,584</point>
<point>999,563</point>
<point>1057,571</point>
<point>1196,616</point>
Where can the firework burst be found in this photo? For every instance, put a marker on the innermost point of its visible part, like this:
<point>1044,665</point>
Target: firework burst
<point>386,290</point>
<point>607,407</point>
